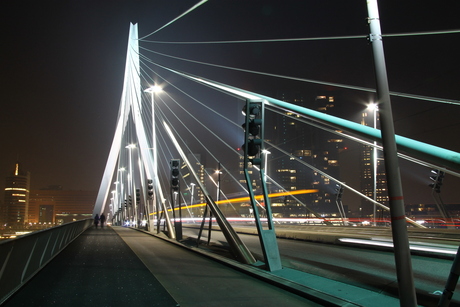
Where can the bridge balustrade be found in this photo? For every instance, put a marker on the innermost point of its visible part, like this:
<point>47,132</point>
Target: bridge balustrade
<point>23,257</point>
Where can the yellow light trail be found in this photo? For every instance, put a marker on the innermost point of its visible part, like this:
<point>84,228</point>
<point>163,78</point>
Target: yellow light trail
<point>245,199</point>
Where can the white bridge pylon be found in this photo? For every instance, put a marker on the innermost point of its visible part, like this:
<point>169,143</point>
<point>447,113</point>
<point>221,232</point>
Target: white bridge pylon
<point>128,143</point>
<point>112,181</point>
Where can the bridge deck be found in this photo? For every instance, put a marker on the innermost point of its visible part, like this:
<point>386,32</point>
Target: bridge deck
<point>99,268</point>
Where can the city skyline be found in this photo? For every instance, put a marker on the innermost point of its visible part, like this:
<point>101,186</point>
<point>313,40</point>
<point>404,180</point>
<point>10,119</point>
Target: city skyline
<point>60,106</point>
<point>25,208</point>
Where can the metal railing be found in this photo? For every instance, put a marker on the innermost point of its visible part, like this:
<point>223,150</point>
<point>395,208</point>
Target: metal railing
<point>25,256</point>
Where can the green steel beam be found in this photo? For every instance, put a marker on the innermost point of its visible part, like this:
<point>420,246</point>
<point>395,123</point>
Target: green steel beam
<point>430,153</point>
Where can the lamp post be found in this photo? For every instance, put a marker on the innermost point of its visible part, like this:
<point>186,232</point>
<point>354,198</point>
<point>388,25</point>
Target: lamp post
<point>192,185</point>
<point>374,108</point>
<point>152,90</point>
<point>218,172</point>
<point>266,152</point>
<point>117,199</point>
<point>113,201</point>
<point>130,180</point>
<point>122,193</point>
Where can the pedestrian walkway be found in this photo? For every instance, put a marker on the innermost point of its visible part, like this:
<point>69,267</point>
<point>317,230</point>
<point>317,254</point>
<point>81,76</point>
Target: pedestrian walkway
<point>97,269</point>
<point>197,281</point>
<point>124,267</point>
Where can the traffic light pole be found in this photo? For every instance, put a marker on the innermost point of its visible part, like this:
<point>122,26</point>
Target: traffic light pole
<point>175,190</point>
<point>237,246</point>
<point>436,194</point>
<point>253,147</point>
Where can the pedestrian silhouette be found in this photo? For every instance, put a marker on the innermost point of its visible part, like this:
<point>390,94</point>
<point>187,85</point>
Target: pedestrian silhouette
<point>102,219</point>
<point>96,220</point>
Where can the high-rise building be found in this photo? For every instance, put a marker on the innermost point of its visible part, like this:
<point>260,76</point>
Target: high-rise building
<point>192,188</point>
<point>15,210</point>
<point>312,145</point>
<point>373,177</point>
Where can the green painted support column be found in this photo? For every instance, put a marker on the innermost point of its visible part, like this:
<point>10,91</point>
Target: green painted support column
<point>253,148</point>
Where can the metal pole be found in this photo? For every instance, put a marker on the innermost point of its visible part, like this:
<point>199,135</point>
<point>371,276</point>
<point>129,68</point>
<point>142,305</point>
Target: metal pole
<point>374,154</point>
<point>130,183</point>
<point>155,204</point>
<point>267,237</point>
<point>218,182</point>
<point>239,249</point>
<point>451,282</point>
<point>403,261</point>
<point>191,202</point>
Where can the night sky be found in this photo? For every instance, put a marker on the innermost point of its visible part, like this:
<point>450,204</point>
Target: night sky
<point>62,66</point>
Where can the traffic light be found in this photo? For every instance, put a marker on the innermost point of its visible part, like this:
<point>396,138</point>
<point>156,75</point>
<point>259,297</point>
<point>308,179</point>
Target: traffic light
<point>252,128</point>
<point>339,191</point>
<point>130,201</point>
<point>138,196</point>
<point>437,180</point>
<point>175,163</point>
<point>150,187</point>
<point>126,204</point>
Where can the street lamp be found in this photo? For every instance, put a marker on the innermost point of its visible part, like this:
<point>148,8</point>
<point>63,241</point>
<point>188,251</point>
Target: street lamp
<point>266,152</point>
<point>122,192</point>
<point>374,108</point>
<point>130,179</point>
<point>192,187</point>
<point>113,200</point>
<point>117,197</point>
<point>152,90</point>
<point>218,172</point>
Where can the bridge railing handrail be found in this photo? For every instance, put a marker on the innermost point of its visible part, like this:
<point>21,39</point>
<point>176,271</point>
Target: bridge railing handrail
<point>23,257</point>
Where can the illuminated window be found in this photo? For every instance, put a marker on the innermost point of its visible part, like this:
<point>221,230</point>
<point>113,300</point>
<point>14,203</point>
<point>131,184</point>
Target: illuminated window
<point>302,153</point>
<point>15,189</point>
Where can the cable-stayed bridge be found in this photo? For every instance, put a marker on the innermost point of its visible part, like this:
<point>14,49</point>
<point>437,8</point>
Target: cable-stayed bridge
<point>177,159</point>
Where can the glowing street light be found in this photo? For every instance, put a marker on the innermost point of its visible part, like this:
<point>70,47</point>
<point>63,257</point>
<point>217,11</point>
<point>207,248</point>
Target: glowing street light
<point>130,175</point>
<point>192,187</point>
<point>374,108</point>
<point>218,172</point>
<point>122,189</point>
<point>152,90</point>
<point>265,152</point>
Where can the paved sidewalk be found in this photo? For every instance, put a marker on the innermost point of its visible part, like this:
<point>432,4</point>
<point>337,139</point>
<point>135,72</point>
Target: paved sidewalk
<point>123,267</point>
<point>197,281</point>
<point>97,269</point>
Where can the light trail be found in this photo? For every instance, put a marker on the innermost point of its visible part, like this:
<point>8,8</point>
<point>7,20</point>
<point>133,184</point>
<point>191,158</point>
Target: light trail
<point>414,246</point>
<point>246,199</point>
